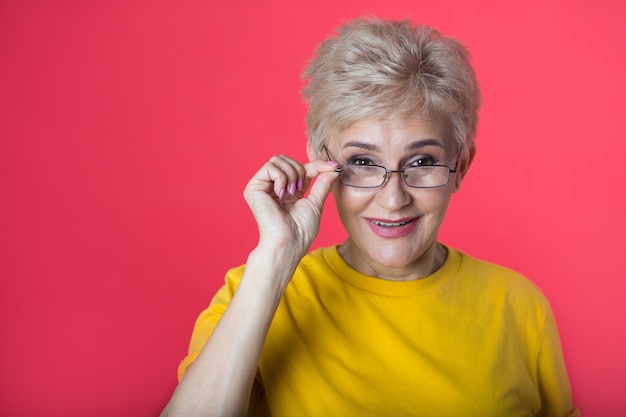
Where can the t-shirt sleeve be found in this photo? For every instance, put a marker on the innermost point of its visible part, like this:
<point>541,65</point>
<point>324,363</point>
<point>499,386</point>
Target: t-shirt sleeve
<point>554,387</point>
<point>208,319</point>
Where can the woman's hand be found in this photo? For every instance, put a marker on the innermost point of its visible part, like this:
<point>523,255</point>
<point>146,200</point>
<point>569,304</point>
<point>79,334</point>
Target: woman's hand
<point>220,380</point>
<point>276,196</point>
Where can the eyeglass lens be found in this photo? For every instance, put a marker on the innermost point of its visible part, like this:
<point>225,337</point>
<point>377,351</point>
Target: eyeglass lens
<point>375,176</point>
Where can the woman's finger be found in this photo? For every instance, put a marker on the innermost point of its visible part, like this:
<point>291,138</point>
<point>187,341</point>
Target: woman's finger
<point>321,188</point>
<point>293,174</point>
<point>315,168</point>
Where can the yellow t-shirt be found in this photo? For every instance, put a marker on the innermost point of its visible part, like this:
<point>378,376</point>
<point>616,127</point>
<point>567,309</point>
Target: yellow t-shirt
<point>472,339</point>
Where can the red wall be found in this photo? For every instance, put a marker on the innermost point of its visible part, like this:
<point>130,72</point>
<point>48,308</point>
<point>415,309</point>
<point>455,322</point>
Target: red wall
<point>129,128</point>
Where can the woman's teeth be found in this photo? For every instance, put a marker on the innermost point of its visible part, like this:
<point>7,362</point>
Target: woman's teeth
<point>383,224</point>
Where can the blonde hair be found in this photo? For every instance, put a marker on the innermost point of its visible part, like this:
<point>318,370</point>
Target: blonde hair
<point>374,69</point>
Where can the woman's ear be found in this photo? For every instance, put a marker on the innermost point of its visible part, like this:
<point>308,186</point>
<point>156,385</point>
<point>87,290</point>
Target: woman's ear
<point>464,164</point>
<point>311,153</point>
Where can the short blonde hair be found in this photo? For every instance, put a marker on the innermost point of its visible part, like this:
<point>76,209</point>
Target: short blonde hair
<point>374,69</point>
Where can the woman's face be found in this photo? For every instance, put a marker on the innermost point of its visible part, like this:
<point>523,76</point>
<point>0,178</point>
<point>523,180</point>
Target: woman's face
<point>392,230</point>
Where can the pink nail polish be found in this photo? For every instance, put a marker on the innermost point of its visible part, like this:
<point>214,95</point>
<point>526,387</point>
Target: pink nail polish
<point>299,184</point>
<point>292,188</point>
<point>281,194</point>
<point>332,163</point>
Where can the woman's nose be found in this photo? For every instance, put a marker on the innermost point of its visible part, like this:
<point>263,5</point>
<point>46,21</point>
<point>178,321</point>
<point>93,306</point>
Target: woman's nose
<point>393,194</point>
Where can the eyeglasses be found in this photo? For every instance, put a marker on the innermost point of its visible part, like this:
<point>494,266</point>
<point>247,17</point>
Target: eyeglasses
<point>374,176</point>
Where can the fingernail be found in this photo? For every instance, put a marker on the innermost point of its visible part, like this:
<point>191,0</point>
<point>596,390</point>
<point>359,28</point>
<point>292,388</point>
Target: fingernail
<point>332,163</point>
<point>299,184</point>
<point>292,188</point>
<point>281,194</point>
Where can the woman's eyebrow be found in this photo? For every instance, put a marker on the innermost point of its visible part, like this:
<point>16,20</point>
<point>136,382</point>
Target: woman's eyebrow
<point>410,147</point>
<point>423,143</point>
<point>361,145</point>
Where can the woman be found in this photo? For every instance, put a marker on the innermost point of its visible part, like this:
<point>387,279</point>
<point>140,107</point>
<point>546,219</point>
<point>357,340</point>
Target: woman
<point>391,322</point>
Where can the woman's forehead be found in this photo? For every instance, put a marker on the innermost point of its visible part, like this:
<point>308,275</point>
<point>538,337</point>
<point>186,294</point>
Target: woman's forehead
<point>407,133</point>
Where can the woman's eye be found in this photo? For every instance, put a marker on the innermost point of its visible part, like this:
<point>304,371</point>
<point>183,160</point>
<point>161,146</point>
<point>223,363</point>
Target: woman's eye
<point>360,161</point>
<point>424,160</point>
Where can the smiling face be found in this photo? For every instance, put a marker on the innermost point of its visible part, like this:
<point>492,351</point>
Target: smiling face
<point>393,229</point>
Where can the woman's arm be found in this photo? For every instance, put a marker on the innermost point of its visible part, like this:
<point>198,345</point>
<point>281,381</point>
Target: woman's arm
<point>220,380</point>
<point>554,386</point>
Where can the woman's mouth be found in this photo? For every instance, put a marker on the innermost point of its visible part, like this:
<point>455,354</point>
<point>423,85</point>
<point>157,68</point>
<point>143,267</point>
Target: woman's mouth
<point>391,229</point>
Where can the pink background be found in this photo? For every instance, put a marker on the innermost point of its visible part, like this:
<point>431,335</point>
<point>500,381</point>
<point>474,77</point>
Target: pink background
<point>128,130</point>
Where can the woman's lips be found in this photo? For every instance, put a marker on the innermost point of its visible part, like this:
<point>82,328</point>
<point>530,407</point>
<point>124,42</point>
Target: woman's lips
<point>391,229</point>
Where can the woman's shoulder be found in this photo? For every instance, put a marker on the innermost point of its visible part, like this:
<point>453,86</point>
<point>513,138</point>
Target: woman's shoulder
<point>323,258</point>
<point>494,279</point>
<point>471,264</point>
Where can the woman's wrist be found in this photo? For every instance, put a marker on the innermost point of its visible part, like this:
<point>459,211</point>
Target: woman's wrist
<point>274,262</point>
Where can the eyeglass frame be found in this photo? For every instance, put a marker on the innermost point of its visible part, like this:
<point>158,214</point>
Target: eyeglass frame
<point>404,177</point>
